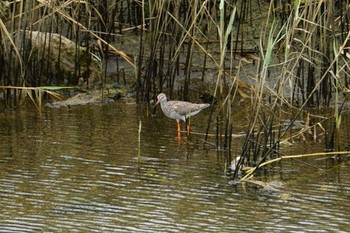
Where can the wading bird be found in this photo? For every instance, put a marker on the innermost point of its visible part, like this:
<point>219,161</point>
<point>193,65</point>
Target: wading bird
<point>179,110</point>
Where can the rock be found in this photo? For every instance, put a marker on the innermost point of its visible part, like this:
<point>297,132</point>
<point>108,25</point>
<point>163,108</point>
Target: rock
<point>61,56</point>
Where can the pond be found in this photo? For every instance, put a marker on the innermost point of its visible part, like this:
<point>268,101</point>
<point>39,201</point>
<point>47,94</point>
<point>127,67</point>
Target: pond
<point>80,169</point>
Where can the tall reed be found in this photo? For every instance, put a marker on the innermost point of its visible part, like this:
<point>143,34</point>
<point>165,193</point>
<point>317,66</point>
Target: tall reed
<point>308,43</point>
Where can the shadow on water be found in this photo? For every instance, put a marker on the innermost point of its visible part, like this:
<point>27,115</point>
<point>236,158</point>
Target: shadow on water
<point>78,169</point>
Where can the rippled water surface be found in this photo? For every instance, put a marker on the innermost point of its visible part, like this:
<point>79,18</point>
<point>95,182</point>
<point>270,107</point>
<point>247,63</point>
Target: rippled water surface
<point>80,170</point>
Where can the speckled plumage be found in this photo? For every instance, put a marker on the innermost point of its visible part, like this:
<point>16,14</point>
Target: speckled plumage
<point>179,110</point>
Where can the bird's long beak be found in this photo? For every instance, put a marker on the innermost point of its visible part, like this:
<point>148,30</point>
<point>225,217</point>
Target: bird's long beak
<point>156,104</point>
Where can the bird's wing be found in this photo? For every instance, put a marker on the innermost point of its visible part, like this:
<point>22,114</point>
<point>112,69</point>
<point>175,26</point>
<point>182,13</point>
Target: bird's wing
<point>181,107</point>
<point>185,108</point>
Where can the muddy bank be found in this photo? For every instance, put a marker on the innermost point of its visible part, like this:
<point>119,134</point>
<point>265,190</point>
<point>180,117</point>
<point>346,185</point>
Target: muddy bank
<point>97,96</point>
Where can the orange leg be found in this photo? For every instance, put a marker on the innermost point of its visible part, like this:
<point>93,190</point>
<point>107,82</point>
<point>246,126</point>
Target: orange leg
<point>188,128</point>
<point>178,129</point>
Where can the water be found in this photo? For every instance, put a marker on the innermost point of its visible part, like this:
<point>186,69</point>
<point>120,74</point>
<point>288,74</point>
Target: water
<point>80,170</point>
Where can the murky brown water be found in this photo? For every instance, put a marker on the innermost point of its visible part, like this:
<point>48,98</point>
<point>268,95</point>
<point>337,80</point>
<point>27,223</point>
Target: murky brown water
<point>77,170</point>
